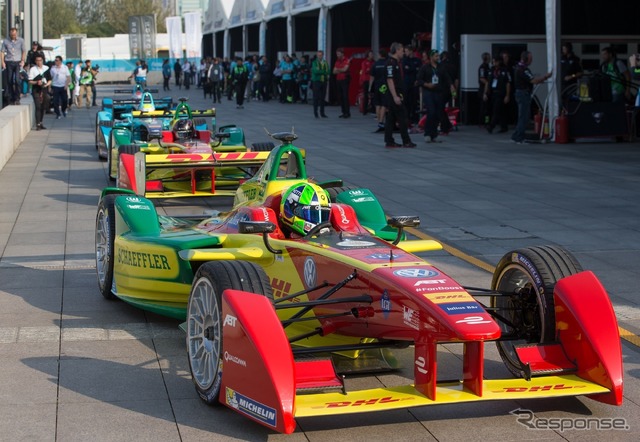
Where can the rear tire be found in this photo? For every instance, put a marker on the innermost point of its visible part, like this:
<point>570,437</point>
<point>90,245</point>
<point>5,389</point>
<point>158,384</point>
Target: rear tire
<point>263,147</point>
<point>335,191</point>
<point>205,321</point>
<point>531,274</point>
<point>104,240</point>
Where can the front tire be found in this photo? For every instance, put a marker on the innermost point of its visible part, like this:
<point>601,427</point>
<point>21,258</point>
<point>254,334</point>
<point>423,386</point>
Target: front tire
<point>528,277</point>
<point>205,321</point>
<point>105,237</point>
<point>335,191</point>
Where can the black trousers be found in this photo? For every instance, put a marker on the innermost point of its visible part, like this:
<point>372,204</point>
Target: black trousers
<point>343,96</point>
<point>13,72</point>
<point>395,114</point>
<point>215,91</point>
<point>498,111</point>
<point>60,99</point>
<point>240,87</point>
<point>41,102</point>
<point>165,86</point>
<point>319,89</point>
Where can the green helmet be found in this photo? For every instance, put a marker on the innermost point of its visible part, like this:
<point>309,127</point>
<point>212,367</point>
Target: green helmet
<point>304,206</point>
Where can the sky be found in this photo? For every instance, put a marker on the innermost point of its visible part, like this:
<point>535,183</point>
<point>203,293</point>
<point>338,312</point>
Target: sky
<point>228,4</point>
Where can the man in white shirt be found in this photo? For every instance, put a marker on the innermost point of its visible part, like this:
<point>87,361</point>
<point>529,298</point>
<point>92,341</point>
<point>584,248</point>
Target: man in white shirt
<point>60,79</point>
<point>40,80</point>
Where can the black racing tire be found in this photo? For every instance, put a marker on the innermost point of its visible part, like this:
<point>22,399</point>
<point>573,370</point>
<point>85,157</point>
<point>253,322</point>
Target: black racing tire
<point>532,273</point>
<point>335,191</point>
<point>130,149</point>
<point>263,147</point>
<point>97,132</point>
<point>104,242</point>
<point>204,318</point>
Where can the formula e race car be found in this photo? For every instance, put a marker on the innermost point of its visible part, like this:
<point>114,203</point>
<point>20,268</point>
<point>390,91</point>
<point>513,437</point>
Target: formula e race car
<point>268,313</point>
<point>118,112</point>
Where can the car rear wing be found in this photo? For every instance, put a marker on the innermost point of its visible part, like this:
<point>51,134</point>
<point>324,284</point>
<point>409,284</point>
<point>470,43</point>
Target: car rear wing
<point>171,113</point>
<point>162,102</point>
<point>188,174</point>
<point>133,91</point>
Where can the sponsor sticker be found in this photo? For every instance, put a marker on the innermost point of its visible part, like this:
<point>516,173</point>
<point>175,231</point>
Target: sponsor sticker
<point>459,308</point>
<point>133,199</point>
<point>416,273</point>
<point>362,199</point>
<point>343,215</point>
<point>310,272</point>
<point>251,407</point>
<point>429,282</point>
<point>440,298</point>
<point>438,288</point>
<point>355,243</point>
<point>421,364</point>
<point>385,256</point>
<point>357,192</point>
<point>410,317</point>
<point>228,357</point>
<point>230,321</point>
<point>138,207</point>
<point>385,304</point>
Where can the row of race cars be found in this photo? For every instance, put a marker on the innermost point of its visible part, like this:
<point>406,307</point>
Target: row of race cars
<point>300,282</point>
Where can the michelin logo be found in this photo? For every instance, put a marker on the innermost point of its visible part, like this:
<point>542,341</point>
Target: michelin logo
<point>250,407</point>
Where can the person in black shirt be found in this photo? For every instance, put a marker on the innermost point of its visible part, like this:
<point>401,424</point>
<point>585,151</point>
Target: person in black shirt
<point>524,81</point>
<point>396,110</point>
<point>378,83</point>
<point>484,74</point>
<point>498,94</point>
<point>410,66</point>
<point>570,70</point>
<point>435,83</point>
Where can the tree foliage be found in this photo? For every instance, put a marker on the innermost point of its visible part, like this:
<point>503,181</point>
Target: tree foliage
<point>60,18</point>
<point>97,18</point>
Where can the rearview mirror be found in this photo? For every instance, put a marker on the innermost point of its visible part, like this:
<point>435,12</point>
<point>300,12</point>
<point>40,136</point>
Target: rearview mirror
<point>400,222</point>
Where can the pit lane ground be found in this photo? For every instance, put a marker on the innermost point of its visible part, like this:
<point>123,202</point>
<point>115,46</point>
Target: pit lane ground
<point>74,366</point>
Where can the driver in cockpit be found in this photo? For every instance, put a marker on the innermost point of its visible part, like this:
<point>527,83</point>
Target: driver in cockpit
<point>183,130</point>
<point>304,208</point>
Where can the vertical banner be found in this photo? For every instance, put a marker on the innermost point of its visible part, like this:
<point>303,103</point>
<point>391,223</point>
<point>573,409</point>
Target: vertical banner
<point>439,30</point>
<point>193,34</point>
<point>174,30</point>
<point>135,43</point>
<point>552,13</point>
<point>148,36</point>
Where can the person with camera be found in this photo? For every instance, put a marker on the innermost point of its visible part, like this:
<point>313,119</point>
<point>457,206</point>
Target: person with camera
<point>40,80</point>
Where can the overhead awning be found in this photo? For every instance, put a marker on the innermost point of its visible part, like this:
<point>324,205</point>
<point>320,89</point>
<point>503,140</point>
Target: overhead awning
<point>215,18</point>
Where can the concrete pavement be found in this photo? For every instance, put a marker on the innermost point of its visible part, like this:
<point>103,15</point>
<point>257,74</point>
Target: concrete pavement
<point>74,366</point>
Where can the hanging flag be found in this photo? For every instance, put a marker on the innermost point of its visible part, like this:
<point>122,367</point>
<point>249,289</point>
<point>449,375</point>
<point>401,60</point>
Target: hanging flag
<point>193,34</point>
<point>174,30</point>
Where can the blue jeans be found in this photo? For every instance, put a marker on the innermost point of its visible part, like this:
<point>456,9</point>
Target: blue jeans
<point>523,99</point>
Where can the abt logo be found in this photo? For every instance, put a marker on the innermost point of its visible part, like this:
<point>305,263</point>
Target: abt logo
<point>430,282</point>
<point>230,321</point>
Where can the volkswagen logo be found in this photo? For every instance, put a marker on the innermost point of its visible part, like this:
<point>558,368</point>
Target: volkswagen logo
<point>416,273</point>
<point>310,272</point>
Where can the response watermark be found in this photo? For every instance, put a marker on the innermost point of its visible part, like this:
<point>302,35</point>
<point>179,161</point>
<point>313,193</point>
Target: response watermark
<point>528,419</point>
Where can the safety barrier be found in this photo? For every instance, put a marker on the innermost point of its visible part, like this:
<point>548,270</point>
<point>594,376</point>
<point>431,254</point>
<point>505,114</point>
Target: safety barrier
<point>15,124</point>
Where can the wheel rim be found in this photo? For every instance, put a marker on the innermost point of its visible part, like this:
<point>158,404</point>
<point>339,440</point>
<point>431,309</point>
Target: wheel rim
<point>204,333</point>
<point>511,279</point>
<point>102,246</point>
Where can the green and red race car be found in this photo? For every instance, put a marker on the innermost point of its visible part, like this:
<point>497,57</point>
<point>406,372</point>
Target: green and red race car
<point>271,305</point>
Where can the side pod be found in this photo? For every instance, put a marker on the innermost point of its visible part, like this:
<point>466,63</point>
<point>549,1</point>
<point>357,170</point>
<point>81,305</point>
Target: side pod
<point>588,331</point>
<point>258,378</point>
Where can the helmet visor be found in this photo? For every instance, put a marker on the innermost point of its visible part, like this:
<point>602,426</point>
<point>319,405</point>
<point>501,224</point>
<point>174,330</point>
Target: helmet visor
<point>315,214</point>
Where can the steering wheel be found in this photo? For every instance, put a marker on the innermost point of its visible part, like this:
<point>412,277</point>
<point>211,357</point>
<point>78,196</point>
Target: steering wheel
<point>319,227</point>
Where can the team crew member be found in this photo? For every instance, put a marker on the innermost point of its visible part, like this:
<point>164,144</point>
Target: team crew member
<point>396,110</point>
<point>13,54</point>
<point>60,80</point>
<point>86,81</point>
<point>498,89</point>
<point>378,82</point>
<point>319,78</point>
<point>484,75</point>
<point>434,78</point>
<point>343,78</point>
<point>634,67</point>
<point>570,70</point>
<point>239,77</point>
<point>40,80</point>
<point>365,81</point>
<point>524,81</point>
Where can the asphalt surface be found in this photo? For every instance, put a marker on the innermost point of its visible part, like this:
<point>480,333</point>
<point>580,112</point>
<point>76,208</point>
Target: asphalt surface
<point>74,366</point>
